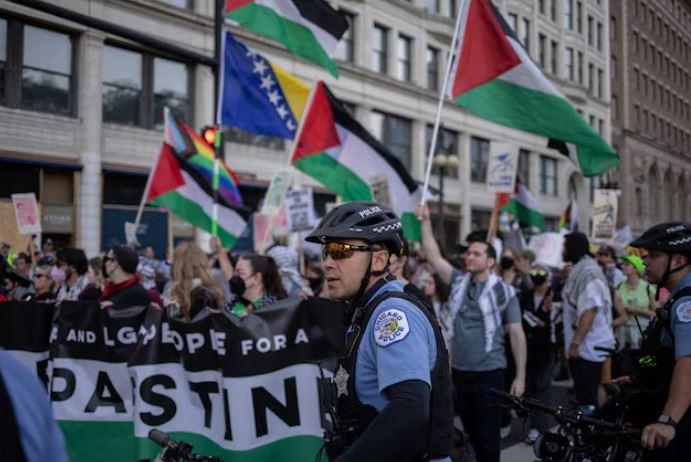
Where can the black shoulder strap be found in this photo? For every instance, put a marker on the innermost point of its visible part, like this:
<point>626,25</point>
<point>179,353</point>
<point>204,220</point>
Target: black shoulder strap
<point>667,307</point>
<point>10,445</point>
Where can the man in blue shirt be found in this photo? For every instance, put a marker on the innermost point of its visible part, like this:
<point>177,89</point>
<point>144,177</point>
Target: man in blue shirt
<point>480,310</point>
<point>668,264</point>
<point>395,354</point>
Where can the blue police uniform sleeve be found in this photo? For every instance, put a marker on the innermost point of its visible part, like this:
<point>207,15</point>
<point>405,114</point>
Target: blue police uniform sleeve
<point>403,343</point>
<point>681,327</point>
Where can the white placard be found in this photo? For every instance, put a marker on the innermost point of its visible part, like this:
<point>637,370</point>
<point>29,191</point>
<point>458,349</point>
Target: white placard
<point>27,214</point>
<point>604,214</point>
<point>299,205</point>
<point>276,192</point>
<point>501,169</point>
<point>547,248</point>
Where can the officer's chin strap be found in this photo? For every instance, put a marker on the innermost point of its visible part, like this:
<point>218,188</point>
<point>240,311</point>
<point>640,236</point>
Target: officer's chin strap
<point>351,312</point>
<point>668,272</point>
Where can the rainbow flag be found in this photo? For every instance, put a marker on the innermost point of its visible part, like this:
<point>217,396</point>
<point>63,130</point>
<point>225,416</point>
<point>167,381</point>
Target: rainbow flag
<point>189,146</point>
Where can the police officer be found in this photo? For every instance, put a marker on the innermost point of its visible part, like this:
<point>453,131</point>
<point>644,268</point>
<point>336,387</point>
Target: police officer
<point>668,264</point>
<point>393,386</point>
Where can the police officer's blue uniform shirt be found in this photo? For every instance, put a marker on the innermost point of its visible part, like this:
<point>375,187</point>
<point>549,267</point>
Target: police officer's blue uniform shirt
<point>398,345</point>
<point>680,316</point>
<point>39,435</point>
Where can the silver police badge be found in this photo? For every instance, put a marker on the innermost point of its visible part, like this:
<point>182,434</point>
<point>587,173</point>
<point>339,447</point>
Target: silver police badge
<point>341,381</point>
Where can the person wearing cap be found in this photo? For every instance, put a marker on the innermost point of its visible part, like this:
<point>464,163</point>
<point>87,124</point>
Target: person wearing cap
<point>587,315</point>
<point>668,264</point>
<point>72,263</point>
<point>393,386</point>
<point>635,296</point>
<point>124,288</point>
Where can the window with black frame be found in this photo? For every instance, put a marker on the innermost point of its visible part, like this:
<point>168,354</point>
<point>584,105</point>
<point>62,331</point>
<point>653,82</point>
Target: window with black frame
<point>122,85</point>
<point>447,143</point>
<point>395,133</point>
<point>171,88</point>
<point>479,157</point>
<point>346,46</point>
<point>46,70</point>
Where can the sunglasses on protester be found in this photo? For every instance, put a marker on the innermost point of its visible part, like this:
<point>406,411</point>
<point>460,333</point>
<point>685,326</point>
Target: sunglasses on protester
<point>538,272</point>
<point>339,251</point>
<point>39,276</point>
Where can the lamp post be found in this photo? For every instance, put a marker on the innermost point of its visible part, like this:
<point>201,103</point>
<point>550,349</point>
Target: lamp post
<point>443,162</point>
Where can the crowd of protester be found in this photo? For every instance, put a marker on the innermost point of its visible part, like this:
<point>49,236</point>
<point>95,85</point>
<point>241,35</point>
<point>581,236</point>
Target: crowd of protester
<point>550,319</point>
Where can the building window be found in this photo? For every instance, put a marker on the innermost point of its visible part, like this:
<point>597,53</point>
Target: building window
<point>122,85</point>
<point>615,107</point>
<point>599,36</point>
<point>635,42</point>
<point>569,64</point>
<point>46,69</point>
<point>403,58</point>
<point>379,49</point>
<point>568,14</point>
<point>548,176</point>
<point>513,22</point>
<point>590,30</point>
<point>523,172</point>
<point>591,120</point>
<point>555,53</point>
<point>601,126</point>
<point>553,10</point>
<point>579,17</point>
<point>600,83</point>
<point>130,98</point>
<point>432,68</point>
<point>479,156</point>
<point>580,67</point>
<point>179,3</point>
<point>525,38</point>
<point>3,58</point>
<point>613,68</point>
<point>345,51</point>
<point>541,6</point>
<point>442,7</point>
<point>542,50</point>
<point>395,133</point>
<point>447,143</point>
<point>237,135</point>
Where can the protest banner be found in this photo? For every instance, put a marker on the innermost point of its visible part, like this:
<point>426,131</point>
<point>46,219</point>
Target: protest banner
<point>299,206</point>
<point>242,389</point>
<point>604,215</point>
<point>547,248</point>
<point>26,212</point>
<point>501,168</point>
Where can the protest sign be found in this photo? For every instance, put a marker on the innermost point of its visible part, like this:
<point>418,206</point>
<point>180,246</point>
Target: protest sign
<point>27,214</point>
<point>604,215</point>
<point>242,389</point>
<point>381,193</point>
<point>501,169</point>
<point>299,204</point>
<point>276,192</point>
<point>547,248</point>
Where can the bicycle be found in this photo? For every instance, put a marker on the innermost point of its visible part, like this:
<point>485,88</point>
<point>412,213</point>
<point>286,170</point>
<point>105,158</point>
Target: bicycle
<point>176,450</point>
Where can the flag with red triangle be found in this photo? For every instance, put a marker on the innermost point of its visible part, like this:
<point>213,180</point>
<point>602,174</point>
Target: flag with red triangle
<point>495,79</point>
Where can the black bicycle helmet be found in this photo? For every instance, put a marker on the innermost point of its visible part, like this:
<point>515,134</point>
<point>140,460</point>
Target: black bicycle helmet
<point>672,237</point>
<point>369,221</point>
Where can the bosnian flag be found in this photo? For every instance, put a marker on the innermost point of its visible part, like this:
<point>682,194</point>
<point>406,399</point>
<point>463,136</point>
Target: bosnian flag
<point>495,79</point>
<point>334,149</point>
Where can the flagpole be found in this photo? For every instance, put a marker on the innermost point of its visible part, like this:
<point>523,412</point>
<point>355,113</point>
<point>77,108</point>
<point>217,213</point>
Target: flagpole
<point>440,103</point>
<point>219,142</point>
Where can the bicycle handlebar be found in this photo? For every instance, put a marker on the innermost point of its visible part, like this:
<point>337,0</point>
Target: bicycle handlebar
<point>159,437</point>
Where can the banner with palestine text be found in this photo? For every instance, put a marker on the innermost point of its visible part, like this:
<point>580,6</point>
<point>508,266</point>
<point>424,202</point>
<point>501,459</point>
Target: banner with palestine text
<point>242,389</point>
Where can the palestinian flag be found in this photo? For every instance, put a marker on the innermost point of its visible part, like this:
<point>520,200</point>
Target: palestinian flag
<point>495,79</point>
<point>333,148</point>
<point>310,29</point>
<point>525,208</point>
<point>180,186</point>
<point>569,217</point>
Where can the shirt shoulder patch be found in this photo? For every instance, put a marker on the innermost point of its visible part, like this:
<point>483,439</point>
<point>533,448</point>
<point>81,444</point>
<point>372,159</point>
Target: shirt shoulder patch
<point>684,312</point>
<point>390,327</point>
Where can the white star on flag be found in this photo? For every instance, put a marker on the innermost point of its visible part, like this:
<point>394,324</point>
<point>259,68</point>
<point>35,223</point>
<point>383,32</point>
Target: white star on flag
<point>251,53</point>
<point>259,67</point>
<point>267,83</point>
<point>274,96</point>
<point>282,111</point>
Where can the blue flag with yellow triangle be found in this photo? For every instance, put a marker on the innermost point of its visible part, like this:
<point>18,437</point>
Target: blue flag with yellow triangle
<point>257,95</point>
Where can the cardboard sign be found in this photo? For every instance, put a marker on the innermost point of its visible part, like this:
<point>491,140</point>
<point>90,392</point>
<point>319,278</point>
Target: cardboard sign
<point>501,169</point>
<point>9,231</point>
<point>381,193</point>
<point>604,214</point>
<point>276,192</point>
<point>27,214</point>
<point>299,205</point>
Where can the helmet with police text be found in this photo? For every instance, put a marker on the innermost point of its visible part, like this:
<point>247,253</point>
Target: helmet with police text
<point>672,237</point>
<point>369,221</point>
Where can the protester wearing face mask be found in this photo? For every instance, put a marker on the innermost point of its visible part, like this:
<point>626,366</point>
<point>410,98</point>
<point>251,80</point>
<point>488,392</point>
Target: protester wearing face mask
<point>123,288</point>
<point>507,266</point>
<point>255,284</point>
<point>73,264</point>
<point>536,307</point>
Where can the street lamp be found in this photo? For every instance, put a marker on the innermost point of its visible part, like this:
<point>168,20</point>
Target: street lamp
<point>443,163</point>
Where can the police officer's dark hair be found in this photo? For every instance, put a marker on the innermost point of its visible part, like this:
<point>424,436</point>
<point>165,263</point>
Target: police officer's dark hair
<point>75,258</point>
<point>271,277</point>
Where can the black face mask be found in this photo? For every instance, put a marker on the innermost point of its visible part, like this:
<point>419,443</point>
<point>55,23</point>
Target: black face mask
<point>237,286</point>
<point>506,262</point>
<point>538,280</point>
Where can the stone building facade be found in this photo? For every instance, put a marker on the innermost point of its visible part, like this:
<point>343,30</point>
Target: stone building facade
<point>651,109</point>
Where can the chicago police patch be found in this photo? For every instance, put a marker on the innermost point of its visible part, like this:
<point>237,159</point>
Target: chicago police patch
<point>390,327</point>
<point>684,312</point>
